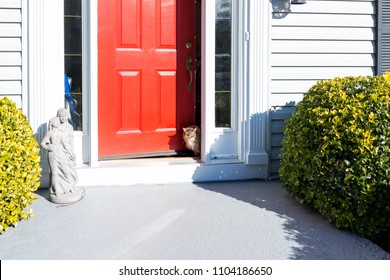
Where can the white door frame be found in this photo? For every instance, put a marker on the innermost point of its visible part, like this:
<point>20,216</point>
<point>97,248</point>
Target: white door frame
<point>252,85</point>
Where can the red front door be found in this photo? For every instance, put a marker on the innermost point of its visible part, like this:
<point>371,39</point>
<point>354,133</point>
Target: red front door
<point>145,49</point>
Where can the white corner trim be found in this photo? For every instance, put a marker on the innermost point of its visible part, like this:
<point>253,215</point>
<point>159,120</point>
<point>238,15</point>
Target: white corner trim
<point>45,61</point>
<point>25,59</point>
<point>258,82</point>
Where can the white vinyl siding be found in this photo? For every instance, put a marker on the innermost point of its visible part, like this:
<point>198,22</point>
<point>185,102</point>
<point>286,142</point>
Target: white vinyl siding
<point>11,50</point>
<point>311,42</point>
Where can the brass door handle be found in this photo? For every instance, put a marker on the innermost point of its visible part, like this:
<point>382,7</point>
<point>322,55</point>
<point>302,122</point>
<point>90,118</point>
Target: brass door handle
<point>189,68</point>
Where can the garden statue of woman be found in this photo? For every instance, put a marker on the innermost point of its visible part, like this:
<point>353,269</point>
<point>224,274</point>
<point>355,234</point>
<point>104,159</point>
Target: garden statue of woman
<point>58,142</point>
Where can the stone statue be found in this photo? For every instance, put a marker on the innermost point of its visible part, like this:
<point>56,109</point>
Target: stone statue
<point>58,142</point>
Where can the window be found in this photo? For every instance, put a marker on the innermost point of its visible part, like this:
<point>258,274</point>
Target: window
<point>73,61</point>
<point>223,50</point>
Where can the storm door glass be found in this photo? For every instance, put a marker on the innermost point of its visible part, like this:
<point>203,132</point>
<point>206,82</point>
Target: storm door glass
<point>223,50</point>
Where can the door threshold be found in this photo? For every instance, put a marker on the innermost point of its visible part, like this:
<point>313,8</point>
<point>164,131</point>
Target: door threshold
<point>139,171</point>
<point>154,155</point>
<point>148,161</point>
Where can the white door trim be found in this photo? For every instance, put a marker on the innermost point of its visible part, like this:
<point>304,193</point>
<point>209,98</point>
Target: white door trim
<point>91,38</point>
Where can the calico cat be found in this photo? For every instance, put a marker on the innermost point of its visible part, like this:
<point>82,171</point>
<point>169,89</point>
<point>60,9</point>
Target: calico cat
<point>191,137</point>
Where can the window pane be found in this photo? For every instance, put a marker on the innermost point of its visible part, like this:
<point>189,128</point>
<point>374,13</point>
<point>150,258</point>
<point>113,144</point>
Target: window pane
<point>222,73</point>
<point>72,35</point>
<point>73,60</point>
<point>73,68</point>
<point>222,109</point>
<point>223,36</point>
<point>223,48</point>
<point>72,7</point>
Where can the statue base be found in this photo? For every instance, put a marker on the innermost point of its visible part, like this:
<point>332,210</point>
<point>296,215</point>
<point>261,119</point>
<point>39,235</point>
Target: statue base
<point>68,197</point>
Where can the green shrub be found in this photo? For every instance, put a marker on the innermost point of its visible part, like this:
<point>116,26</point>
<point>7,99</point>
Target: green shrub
<point>336,154</point>
<point>19,165</point>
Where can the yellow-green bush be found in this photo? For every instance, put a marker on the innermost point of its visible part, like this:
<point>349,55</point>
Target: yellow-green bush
<point>336,154</point>
<point>19,165</point>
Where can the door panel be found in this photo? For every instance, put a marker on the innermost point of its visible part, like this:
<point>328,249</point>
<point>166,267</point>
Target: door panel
<point>143,100</point>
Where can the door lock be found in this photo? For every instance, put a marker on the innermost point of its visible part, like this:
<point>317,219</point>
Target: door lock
<point>189,45</point>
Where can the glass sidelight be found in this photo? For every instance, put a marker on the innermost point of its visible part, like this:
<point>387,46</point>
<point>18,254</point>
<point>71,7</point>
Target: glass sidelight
<point>223,61</point>
<point>73,61</point>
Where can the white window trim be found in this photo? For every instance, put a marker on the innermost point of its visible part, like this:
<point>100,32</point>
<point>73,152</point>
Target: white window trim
<point>82,139</point>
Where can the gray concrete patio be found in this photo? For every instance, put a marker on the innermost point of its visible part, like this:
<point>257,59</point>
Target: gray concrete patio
<point>229,220</point>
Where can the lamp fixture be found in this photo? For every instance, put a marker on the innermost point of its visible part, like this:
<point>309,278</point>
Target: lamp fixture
<point>298,1</point>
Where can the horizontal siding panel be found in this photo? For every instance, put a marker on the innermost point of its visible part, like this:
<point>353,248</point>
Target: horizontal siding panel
<point>275,153</point>
<point>10,87</point>
<point>274,170</point>
<point>282,112</point>
<point>325,20</point>
<point>10,30</point>
<point>275,163</point>
<point>11,50</point>
<point>12,73</point>
<point>322,60</point>
<point>10,58</point>
<point>283,99</point>
<point>10,44</point>
<point>15,98</point>
<point>319,73</point>
<point>336,7</point>
<point>282,46</point>
<point>278,117</point>
<point>10,15</point>
<point>276,139</point>
<point>291,86</point>
<point>10,3</point>
<point>277,126</point>
<point>322,33</point>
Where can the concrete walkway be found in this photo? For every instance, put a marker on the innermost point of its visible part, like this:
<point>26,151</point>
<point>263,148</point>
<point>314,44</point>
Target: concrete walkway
<point>230,220</point>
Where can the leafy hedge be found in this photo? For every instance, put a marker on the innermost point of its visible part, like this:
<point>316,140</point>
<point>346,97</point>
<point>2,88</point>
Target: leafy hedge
<point>19,165</point>
<point>336,154</point>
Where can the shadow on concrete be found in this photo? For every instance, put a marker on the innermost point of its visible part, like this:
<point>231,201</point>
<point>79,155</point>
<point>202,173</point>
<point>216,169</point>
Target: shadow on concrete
<point>316,238</point>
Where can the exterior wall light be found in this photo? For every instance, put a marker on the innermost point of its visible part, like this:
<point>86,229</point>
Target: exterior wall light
<point>281,8</point>
<point>298,2</point>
